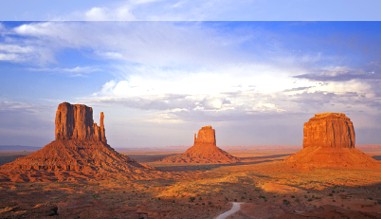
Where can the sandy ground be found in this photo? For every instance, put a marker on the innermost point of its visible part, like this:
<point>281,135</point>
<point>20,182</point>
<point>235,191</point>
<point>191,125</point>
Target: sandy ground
<point>267,187</point>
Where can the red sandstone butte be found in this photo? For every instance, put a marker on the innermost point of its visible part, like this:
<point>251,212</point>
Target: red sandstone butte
<point>329,141</point>
<point>79,152</point>
<point>204,150</point>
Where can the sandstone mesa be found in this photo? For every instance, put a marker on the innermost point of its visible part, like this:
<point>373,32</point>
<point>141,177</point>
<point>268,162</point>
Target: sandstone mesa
<point>79,152</point>
<point>329,141</point>
<point>204,150</point>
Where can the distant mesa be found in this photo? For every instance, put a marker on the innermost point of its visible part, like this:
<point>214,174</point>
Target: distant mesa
<point>329,141</point>
<point>204,150</point>
<point>79,152</point>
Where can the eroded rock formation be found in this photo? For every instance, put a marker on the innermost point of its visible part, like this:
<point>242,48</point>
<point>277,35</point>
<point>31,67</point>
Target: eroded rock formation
<point>79,151</point>
<point>204,150</point>
<point>329,141</point>
<point>333,130</point>
<point>206,135</point>
<point>76,122</point>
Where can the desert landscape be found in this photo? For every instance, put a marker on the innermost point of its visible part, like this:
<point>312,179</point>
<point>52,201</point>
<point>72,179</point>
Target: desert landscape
<point>79,175</point>
<point>148,109</point>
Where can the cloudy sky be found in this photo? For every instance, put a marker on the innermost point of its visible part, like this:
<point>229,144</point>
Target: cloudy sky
<point>158,82</point>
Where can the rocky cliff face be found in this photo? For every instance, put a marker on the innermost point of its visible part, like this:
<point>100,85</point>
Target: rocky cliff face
<point>76,122</point>
<point>206,136</point>
<point>329,130</point>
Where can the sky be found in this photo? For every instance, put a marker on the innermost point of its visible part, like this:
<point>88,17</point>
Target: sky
<point>159,78</point>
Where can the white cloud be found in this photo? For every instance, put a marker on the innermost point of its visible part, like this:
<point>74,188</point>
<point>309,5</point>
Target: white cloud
<point>9,57</point>
<point>249,88</point>
<point>149,43</point>
<point>76,71</point>
<point>121,13</point>
<point>24,53</point>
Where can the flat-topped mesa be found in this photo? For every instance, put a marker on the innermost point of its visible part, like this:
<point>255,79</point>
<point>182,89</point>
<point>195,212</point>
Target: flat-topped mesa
<point>206,136</point>
<point>75,121</point>
<point>333,130</point>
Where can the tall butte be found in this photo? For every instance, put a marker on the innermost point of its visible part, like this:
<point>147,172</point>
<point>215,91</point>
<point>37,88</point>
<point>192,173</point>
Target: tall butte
<point>329,141</point>
<point>79,152</point>
<point>204,150</point>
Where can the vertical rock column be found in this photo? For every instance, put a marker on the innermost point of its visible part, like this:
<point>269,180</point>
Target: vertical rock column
<point>102,128</point>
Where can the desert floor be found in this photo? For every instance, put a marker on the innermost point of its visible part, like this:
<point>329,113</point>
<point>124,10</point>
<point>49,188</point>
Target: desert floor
<point>262,182</point>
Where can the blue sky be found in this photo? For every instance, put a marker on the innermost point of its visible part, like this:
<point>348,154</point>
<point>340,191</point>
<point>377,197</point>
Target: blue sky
<point>196,10</point>
<point>159,82</point>
<point>159,79</point>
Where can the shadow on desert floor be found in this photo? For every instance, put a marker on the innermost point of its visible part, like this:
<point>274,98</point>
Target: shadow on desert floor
<point>193,167</point>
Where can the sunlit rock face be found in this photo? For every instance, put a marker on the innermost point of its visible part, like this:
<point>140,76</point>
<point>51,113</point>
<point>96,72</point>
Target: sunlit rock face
<point>333,130</point>
<point>75,121</point>
<point>206,136</point>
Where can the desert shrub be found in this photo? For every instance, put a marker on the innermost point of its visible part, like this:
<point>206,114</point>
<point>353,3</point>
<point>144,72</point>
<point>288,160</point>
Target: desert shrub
<point>263,197</point>
<point>286,202</point>
<point>191,199</point>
